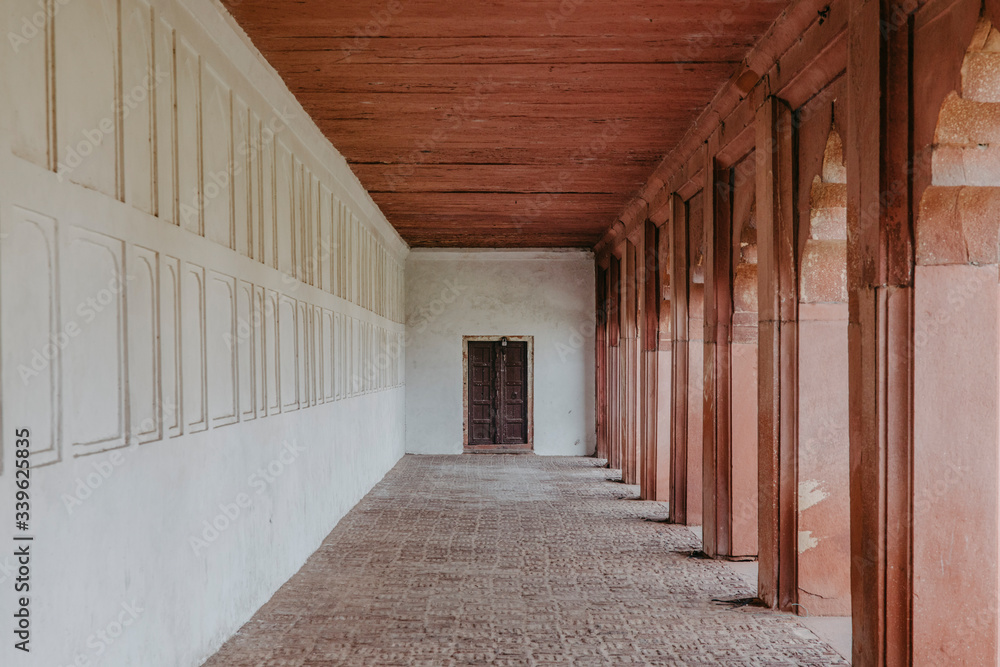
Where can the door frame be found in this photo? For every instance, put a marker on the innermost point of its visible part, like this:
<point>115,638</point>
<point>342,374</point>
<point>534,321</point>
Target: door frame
<point>530,445</point>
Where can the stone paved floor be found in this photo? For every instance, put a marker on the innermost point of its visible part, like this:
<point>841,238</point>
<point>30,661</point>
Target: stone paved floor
<point>513,560</point>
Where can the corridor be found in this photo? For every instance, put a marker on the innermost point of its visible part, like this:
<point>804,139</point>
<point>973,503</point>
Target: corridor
<point>280,279</point>
<point>513,560</point>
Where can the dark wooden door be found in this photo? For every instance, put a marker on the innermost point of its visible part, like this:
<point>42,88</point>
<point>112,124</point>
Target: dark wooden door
<point>513,366</point>
<point>482,390</point>
<point>498,393</point>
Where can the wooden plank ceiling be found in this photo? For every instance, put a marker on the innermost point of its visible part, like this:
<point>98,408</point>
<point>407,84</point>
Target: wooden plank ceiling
<point>504,123</point>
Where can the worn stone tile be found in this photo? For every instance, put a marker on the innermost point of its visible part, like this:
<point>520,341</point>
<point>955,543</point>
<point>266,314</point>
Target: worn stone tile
<point>512,560</point>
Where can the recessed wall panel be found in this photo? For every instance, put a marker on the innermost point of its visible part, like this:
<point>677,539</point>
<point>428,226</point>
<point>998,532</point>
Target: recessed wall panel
<point>170,345</point>
<point>193,345</point>
<point>329,387</point>
<point>33,337</point>
<point>305,353</point>
<point>145,406</point>
<point>246,340</point>
<point>222,345</point>
<point>164,100</point>
<point>189,158</point>
<point>283,210</point>
<point>272,354</point>
<point>216,146</point>
<point>288,356</point>
<point>242,168</point>
<point>259,351</point>
<point>86,72</point>
<point>139,81</point>
<point>94,372</point>
<point>27,81</point>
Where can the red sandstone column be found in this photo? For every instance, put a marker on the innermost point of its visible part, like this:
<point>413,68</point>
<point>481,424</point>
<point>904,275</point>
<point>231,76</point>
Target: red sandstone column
<point>695,404</point>
<point>686,500</point>
<point>955,341</point>
<point>625,367</point>
<point>664,363</point>
<point>601,354</point>
<point>679,280</point>
<point>776,389</point>
<point>648,439</point>
<point>629,365</point>
<point>956,378</point>
<point>664,382</point>
<point>638,371</point>
<point>696,357</point>
<point>650,340</point>
<point>879,255</point>
<point>717,467</point>
<point>614,361</point>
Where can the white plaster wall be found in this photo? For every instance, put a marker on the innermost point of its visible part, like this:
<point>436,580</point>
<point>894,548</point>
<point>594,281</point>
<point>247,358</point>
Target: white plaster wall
<point>200,322</point>
<point>545,294</point>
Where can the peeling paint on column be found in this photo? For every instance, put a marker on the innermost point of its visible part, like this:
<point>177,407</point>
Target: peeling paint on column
<point>811,493</point>
<point>807,541</point>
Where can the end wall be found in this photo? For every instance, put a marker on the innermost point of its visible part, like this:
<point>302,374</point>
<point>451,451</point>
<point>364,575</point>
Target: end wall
<point>545,294</point>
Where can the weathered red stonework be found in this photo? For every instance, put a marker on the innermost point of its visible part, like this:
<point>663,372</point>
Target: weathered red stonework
<point>743,352</point>
<point>872,281</point>
<point>823,583</point>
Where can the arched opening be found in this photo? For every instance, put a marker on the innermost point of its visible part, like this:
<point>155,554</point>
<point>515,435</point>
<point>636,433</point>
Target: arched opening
<point>630,362</point>
<point>730,362</point>
<point>687,316</point>
<point>664,367</point>
<point>655,394</point>
<point>823,574</point>
<point>695,386</point>
<point>956,380</point>
<point>743,365</point>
